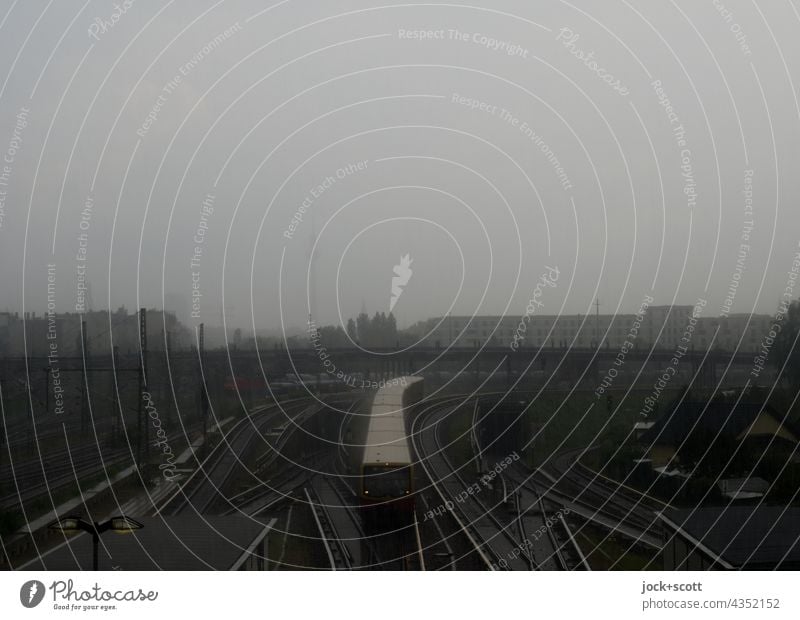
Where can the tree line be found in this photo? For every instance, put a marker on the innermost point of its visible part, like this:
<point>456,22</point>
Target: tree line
<point>378,332</point>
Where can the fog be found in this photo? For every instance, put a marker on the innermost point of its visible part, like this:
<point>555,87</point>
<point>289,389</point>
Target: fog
<point>278,162</point>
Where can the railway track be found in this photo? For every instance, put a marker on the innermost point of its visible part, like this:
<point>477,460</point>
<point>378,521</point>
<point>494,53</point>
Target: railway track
<point>269,493</point>
<point>514,532</point>
<point>629,516</point>
<point>546,532</point>
<point>564,482</point>
<point>447,558</point>
<point>575,555</point>
<point>338,553</point>
<point>417,559</point>
<point>206,485</point>
<point>635,507</point>
<point>492,541</point>
<point>346,530</point>
<point>350,542</point>
<point>37,478</point>
<point>523,533</point>
<point>56,472</point>
<point>565,549</point>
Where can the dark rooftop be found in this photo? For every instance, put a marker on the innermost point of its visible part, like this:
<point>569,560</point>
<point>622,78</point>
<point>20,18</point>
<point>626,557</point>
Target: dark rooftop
<point>716,417</point>
<point>754,537</point>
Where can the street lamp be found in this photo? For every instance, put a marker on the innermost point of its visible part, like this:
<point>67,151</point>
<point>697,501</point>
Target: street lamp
<point>120,524</point>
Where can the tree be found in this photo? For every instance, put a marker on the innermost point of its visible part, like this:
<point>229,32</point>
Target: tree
<point>332,337</point>
<point>380,330</point>
<point>391,330</point>
<point>362,329</point>
<point>376,329</point>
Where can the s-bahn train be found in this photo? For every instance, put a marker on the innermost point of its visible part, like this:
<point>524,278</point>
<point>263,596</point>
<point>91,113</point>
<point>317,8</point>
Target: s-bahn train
<point>386,475</point>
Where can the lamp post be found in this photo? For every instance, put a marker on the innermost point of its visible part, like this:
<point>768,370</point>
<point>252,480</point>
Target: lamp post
<point>120,524</point>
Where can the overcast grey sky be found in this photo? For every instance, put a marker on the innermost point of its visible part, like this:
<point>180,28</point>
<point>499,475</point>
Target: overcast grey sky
<point>622,157</point>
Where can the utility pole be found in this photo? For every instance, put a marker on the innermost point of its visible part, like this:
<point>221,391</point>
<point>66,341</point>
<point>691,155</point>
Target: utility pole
<point>141,429</point>
<point>597,322</point>
<point>203,392</point>
<point>450,329</point>
<point>84,376</point>
<point>168,396</point>
<point>47,390</point>
<point>312,267</point>
<point>117,422</point>
<point>3,427</point>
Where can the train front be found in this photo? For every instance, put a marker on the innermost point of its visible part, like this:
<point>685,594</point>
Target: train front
<point>387,470</point>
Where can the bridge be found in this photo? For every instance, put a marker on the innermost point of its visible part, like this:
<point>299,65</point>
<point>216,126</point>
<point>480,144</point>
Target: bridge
<point>353,365</point>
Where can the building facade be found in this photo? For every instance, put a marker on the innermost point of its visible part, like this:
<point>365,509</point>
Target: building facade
<point>661,325</point>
